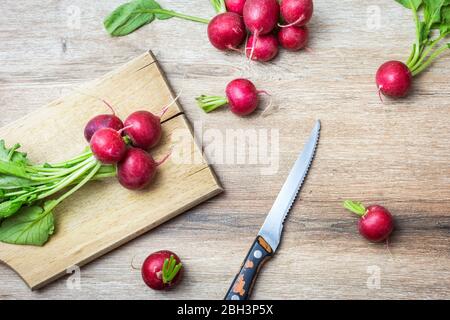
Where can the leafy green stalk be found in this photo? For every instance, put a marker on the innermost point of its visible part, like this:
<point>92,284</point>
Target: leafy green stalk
<point>429,16</point>
<point>210,103</point>
<point>219,5</point>
<point>170,269</point>
<point>170,14</point>
<point>24,187</point>
<point>33,225</point>
<point>431,59</point>
<point>355,207</point>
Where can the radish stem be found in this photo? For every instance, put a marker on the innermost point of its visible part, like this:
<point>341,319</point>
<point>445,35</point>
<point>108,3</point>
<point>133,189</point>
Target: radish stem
<point>174,14</point>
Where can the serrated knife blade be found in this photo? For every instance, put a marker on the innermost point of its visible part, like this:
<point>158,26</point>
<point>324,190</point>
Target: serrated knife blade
<point>273,225</point>
<point>269,236</point>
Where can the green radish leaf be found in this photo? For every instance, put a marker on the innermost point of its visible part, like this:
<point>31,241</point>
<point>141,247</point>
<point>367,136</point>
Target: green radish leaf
<point>444,29</point>
<point>16,182</point>
<point>127,18</point>
<point>219,5</point>
<point>164,16</point>
<point>12,162</point>
<point>432,11</point>
<point>407,3</point>
<point>10,207</point>
<point>13,169</point>
<point>30,226</point>
<point>11,154</point>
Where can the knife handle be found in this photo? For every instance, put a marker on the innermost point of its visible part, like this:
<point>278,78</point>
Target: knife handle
<point>242,285</point>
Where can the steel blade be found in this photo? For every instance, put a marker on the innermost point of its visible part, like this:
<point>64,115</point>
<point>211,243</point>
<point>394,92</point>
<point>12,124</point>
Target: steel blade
<point>273,225</point>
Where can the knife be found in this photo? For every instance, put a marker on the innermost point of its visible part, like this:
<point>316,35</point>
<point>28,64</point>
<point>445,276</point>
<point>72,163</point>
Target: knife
<point>269,236</point>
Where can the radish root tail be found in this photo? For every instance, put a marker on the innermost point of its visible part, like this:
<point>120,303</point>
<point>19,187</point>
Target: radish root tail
<point>164,159</point>
<point>132,263</point>
<point>252,50</point>
<point>109,105</point>
<point>269,106</point>
<point>164,110</point>
<point>380,95</point>
<point>124,128</point>
<point>302,17</point>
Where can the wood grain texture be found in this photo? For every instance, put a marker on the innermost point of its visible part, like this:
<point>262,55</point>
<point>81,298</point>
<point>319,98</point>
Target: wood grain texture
<point>103,215</point>
<point>395,154</point>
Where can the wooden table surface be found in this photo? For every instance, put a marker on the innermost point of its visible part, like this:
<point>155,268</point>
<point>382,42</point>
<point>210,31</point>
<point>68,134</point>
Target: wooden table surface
<point>395,154</point>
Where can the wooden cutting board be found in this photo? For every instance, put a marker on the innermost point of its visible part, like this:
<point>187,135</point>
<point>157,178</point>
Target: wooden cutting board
<point>103,215</point>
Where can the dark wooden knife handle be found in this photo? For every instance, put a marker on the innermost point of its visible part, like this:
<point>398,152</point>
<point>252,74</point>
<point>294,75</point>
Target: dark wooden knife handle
<point>242,285</point>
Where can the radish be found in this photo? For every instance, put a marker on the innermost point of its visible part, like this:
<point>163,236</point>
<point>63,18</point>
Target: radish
<point>376,222</point>
<point>108,146</point>
<point>236,6</point>
<point>144,129</point>
<point>262,48</point>
<point>296,12</point>
<point>241,96</point>
<point>261,16</point>
<point>394,79</point>
<point>293,38</point>
<point>137,169</point>
<point>162,270</point>
<point>432,28</point>
<point>226,31</point>
<point>102,121</point>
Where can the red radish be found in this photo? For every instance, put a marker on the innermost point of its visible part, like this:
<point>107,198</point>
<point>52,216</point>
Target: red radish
<point>376,222</point>
<point>226,31</point>
<point>296,12</point>
<point>241,96</point>
<point>137,169</point>
<point>262,48</point>
<point>394,79</point>
<point>236,6</point>
<point>261,16</point>
<point>102,121</point>
<point>144,129</point>
<point>293,38</point>
<point>162,270</point>
<point>108,146</point>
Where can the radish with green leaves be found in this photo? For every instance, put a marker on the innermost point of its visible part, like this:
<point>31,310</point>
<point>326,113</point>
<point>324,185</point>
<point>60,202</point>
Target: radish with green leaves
<point>376,222</point>
<point>394,78</point>
<point>27,190</point>
<point>241,96</point>
<point>162,270</point>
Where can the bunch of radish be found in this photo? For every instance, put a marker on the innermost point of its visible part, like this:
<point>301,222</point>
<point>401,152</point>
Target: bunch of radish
<point>432,23</point>
<point>266,24</point>
<point>126,144</point>
<point>30,192</point>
